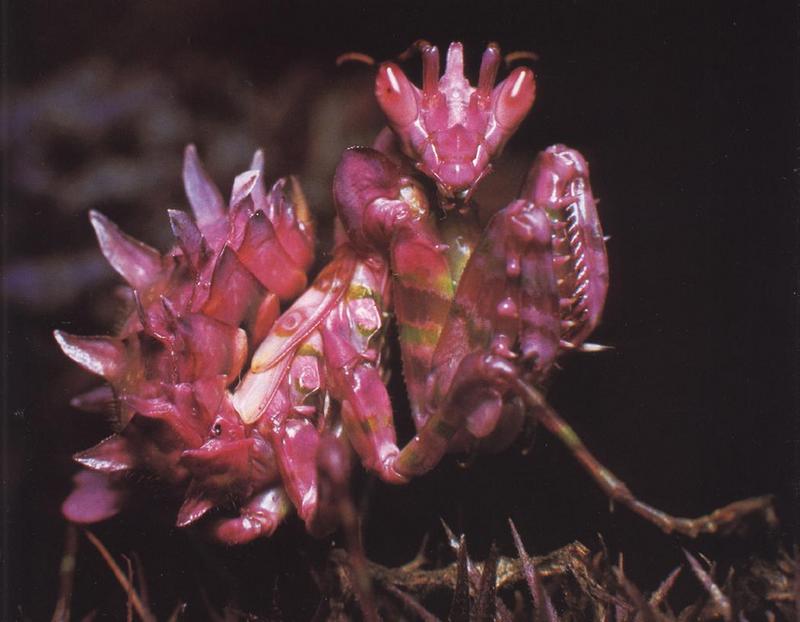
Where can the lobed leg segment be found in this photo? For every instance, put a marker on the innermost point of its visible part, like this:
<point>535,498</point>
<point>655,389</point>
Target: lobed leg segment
<point>258,518</point>
<point>477,394</point>
<point>295,442</point>
<point>365,407</point>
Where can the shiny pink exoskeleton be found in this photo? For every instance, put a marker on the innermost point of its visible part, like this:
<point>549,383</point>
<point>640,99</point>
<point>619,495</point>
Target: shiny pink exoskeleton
<point>449,129</point>
<point>247,406</point>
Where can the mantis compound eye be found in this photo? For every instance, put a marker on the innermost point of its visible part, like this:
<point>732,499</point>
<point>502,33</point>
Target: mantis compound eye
<point>396,95</point>
<point>514,98</point>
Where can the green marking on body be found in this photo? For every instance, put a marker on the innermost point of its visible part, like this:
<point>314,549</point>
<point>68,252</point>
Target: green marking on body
<point>302,389</point>
<point>461,236</point>
<point>308,350</point>
<point>444,429</point>
<point>356,291</point>
<point>441,283</point>
<point>367,426</point>
<point>412,457</point>
<point>366,330</point>
<point>478,332</point>
<point>420,335</point>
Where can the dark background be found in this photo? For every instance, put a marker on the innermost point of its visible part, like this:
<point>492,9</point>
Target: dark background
<point>688,117</point>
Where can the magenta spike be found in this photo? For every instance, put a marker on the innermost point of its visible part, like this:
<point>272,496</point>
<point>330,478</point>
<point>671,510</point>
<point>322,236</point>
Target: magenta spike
<point>265,257</point>
<point>257,163</point>
<point>135,262</point>
<point>222,467</point>
<point>98,400</point>
<point>243,186</point>
<point>189,237</point>
<point>195,505</point>
<point>262,320</point>
<point>154,319</point>
<point>232,464</point>
<point>209,393</point>
<point>233,290</point>
<point>211,348</point>
<point>94,498</point>
<point>173,314</point>
<point>203,194</point>
<point>180,420</point>
<point>103,356</point>
<point>294,224</point>
<point>259,192</point>
<point>158,319</point>
<point>109,455</point>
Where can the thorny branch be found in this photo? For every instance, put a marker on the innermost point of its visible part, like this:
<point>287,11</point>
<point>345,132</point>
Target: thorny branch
<point>572,582</point>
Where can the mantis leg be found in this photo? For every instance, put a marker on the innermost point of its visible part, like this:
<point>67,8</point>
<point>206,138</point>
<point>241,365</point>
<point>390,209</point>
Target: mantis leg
<point>258,518</point>
<point>617,490</point>
<point>295,442</point>
<point>506,295</point>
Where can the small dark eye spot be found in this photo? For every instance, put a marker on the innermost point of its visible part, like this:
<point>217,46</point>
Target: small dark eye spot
<point>217,429</point>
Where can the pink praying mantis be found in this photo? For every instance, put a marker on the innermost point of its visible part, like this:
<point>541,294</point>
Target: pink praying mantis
<point>251,408</point>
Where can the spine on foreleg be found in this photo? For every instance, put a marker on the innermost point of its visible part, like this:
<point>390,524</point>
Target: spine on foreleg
<point>559,183</point>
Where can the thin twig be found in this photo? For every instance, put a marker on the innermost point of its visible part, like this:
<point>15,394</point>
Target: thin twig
<point>646,612</point>
<point>459,607</point>
<point>142,578</point>
<point>486,606</point>
<point>412,604</point>
<point>541,600</point>
<point>179,608</point>
<point>66,575</point>
<point>421,558</point>
<point>657,597</point>
<point>141,608</point>
<point>720,601</point>
<point>473,570</point>
<point>129,616</point>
